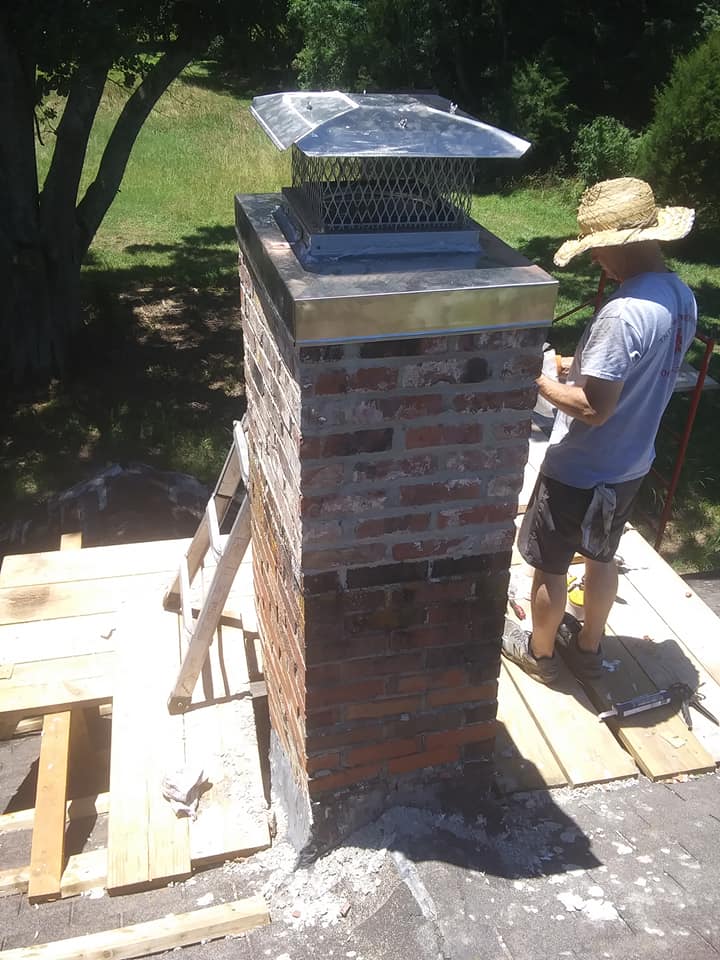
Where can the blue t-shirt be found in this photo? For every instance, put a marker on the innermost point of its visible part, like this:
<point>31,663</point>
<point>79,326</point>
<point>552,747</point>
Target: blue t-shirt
<point>639,337</point>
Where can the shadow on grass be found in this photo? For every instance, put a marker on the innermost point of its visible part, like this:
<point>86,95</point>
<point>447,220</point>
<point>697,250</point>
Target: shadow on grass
<point>157,378</point>
<point>221,79</point>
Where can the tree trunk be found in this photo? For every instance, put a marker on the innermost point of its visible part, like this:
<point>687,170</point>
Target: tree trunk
<point>25,333</point>
<point>45,236</point>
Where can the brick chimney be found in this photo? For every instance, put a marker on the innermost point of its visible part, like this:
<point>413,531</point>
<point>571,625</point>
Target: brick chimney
<point>391,347</point>
<point>385,476</point>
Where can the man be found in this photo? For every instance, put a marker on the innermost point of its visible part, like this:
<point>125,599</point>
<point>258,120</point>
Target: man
<point>609,410</point>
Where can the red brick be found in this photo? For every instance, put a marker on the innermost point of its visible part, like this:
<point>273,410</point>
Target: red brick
<point>425,493</point>
<point>425,548</point>
<point>481,401</point>
<point>324,761</point>
<point>522,365</point>
<point>394,469</point>
<point>324,354</point>
<point>430,758</point>
<point>484,513</point>
<point>382,708</point>
<point>428,373</point>
<point>361,441</point>
<point>419,637</point>
<point>387,574</point>
<point>324,718</point>
<point>469,734</point>
<point>330,382</point>
<point>469,694</point>
<point>325,740</point>
<point>428,680</point>
<point>336,781</point>
<point>381,751</point>
<point>385,618</point>
<point>409,408</point>
<point>334,557</point>
<point>436,435</point>
<point>515,430</point>
<point>365,645</point>
<point>409,522</point>
<point>322,475</point>
<point>320,697</point>
<point>490,458</point>
<point>374,378</point>
<point>446,719</point>
<point>332,505</point>
<point>388,666</point>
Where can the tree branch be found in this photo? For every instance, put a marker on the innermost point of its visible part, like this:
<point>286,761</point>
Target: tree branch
<point>59,193</point>
<point>101,192</point>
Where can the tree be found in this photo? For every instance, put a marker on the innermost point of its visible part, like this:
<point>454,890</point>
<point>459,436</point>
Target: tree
<point>70,47</point>
<point>681,147</point>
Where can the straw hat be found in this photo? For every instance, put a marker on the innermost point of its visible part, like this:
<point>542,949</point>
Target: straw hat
<point>623,211</point>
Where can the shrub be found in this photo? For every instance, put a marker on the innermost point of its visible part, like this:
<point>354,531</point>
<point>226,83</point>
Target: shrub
<point>540,110</point>
<point>604,149</point>
<point>681,148</point>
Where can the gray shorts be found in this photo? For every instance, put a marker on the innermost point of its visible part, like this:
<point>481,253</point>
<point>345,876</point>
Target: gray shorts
<point>551,529</point>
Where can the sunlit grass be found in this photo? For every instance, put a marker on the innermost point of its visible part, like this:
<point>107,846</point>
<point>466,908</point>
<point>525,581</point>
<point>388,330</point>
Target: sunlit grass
<point>170,229</point>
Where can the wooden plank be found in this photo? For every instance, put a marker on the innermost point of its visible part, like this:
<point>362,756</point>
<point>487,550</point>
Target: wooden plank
<point>658,740</point>
<point>688,617</point>
<point>79,809</point>
<point>56,670</point>
<point>232,817</point>
<point>646,637</point>
<point>11,727</point>
<point>84,871</point>
<point>91,563</point>
<point>55,600</point>
<point>56,639</point>
<point>153,936</point>
<point>585,749</point>
<point>48,839</point>
<point>168,835</point>
<point>146,842</point>
<point>54,697</point>
<point>523,760</point>
<point>71,541</point>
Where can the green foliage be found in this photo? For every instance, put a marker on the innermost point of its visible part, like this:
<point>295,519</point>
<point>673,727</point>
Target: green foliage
<point>604,148</point>
<point>541,111</point>
<point>336,43</point>
<point>681,147</point>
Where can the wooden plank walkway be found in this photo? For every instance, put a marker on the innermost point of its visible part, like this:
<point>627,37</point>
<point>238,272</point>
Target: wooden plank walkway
<point>87,626</point>
<point>659,632</point>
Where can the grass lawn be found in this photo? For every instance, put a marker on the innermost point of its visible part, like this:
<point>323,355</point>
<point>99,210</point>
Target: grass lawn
<point>161,377</point>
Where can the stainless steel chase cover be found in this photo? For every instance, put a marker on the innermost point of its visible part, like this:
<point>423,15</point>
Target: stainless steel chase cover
<point>374,237</point>
<point>338,124</point>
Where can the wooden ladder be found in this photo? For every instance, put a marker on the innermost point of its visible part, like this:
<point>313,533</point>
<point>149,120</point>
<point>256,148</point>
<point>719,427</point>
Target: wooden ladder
<point>228,556</point>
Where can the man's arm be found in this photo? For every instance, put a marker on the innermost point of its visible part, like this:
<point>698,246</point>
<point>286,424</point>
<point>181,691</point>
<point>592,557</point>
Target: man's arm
<point>592,404</point>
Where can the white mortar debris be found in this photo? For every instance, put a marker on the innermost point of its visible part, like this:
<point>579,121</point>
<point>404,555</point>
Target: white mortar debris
<point>324,892</point>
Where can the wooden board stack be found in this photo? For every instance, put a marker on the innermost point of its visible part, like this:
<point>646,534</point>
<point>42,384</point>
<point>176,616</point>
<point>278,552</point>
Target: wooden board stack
<point>86,627</point>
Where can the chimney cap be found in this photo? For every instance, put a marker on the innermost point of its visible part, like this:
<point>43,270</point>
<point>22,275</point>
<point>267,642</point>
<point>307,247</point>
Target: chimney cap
<point>336,124</point>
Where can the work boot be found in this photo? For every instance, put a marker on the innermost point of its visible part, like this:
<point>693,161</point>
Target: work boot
<point>583,663</point>
<point>516,646</point>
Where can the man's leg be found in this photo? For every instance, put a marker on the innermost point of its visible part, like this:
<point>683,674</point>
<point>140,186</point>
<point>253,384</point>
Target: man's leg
<point>601,583</point>
<point>548,599</point>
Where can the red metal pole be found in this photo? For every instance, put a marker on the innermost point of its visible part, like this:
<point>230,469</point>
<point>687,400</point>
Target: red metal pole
<point>685,438</point>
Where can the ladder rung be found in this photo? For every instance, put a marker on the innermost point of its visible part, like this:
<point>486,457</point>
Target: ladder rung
<point>241,449</point>
<point>185,607</point>
<point>213,530</point>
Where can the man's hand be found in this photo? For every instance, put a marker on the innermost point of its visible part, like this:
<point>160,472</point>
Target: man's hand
<point>592,404</point>
<point>562,365</point>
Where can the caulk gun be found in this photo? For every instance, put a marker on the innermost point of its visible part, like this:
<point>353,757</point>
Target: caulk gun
<point>679,693</point>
